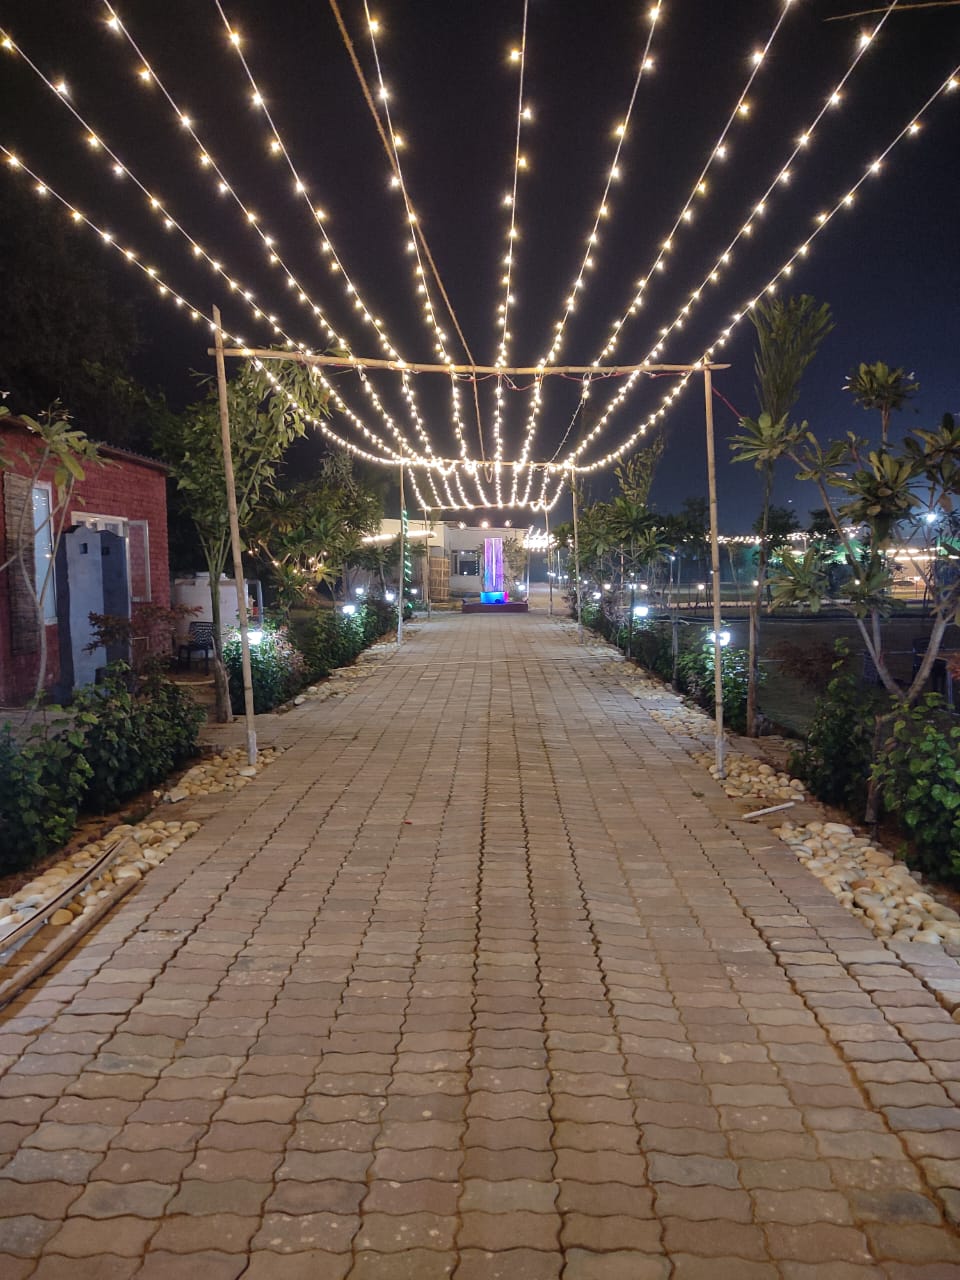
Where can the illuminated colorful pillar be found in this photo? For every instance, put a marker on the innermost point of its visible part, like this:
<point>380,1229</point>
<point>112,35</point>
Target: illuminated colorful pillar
<point>493,564</point>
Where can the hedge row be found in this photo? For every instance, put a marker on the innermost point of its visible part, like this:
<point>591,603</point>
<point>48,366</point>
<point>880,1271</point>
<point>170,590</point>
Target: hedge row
<point>112,744</point>
<point>282,665</point>
<point>650,645</point>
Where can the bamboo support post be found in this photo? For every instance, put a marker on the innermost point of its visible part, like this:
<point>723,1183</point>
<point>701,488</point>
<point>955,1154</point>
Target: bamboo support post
<point>235,544</point>
<point>715,571</point>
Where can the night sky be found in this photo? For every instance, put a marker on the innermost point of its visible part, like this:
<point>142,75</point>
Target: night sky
<point>889,265</point>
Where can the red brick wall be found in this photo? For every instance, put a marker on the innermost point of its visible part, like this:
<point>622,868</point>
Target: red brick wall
<point>125,488</point>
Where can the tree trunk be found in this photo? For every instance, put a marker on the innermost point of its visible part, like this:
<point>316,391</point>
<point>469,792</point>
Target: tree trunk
<point>871,814</point>
<point>223,710</point>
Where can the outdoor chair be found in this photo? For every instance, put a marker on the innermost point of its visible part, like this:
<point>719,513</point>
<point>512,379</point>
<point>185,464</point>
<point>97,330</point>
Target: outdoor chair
<point>199,640</point>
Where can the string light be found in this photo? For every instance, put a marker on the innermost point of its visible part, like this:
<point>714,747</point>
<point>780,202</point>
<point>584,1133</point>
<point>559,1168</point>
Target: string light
<point>592,238</point>
<point>504,308</point>
<point>252,220</point>
<point>420,274</point>
<point>180,301</point>
<point>723,261</point>
<point>822,220</point>
<point>302,188</point>
<point>465,471</point>
<point>698,191</point>
<point>120,169</point>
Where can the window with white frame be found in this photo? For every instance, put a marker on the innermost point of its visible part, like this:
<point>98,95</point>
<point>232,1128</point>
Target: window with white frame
<point>43,550</point>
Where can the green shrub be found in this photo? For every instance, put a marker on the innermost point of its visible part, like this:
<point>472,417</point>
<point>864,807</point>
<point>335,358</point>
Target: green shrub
<point>696,672</point>
<point>277,667</point>
<point>332,638</point>
<point>918,771</point>
<point>836,758</point>
<point>653,647</point>
<point>133,740</point>
<point>42,782</point>
<point>113,744</point>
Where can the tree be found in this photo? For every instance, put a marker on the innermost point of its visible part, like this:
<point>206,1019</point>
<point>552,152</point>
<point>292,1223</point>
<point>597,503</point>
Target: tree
<point>66,333</point>
<point>789,334</point>
<point>67,450</point>
<point>264,419</point>
<point>885,494</point>
<point>877,386</point>
<point>309,532</point>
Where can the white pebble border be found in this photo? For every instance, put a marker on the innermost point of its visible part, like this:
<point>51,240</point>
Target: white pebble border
<point>225,772</point>
<point>748,777</point>
<point>870,883</point>
<point>153,841</point>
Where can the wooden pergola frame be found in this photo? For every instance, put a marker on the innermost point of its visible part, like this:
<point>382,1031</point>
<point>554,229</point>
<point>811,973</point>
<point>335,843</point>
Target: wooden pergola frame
<point>469,370</point>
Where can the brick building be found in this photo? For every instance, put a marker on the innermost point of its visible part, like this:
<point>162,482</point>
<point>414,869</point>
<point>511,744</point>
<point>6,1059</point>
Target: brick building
<point>112,556</point>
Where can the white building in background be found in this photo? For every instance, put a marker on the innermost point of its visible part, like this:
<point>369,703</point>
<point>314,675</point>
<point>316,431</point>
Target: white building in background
<point>455,553</point>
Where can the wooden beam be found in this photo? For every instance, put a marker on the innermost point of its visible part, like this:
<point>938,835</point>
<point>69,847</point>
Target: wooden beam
<point>401,366</point>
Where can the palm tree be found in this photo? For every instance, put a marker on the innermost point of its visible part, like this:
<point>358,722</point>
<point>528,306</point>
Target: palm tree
<point>877,386</point>
<point>789,334</point>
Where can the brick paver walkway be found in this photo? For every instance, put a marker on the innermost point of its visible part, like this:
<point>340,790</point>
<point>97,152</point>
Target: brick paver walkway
<point>483,978</point>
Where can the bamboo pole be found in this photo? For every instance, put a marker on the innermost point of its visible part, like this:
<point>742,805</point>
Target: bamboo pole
<point>576,555</point>
<point>426,575</point>
<point>235,542</point>
<point>715,569</point>
<point>402,572</point>
<point>546,517</point>
<point>403,366</point>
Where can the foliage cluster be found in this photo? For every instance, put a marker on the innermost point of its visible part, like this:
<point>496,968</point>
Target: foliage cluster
<point>836,758</point>
<point>651,643</point>
<point>918,771</point>
<point>42,784</point>
<point>134,737</point>
<point>324,640</point>
<point>696,672</point>
<point>277,667</point>
<point>112,744</point>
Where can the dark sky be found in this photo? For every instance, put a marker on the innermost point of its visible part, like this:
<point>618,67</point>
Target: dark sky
<point>889,266</point>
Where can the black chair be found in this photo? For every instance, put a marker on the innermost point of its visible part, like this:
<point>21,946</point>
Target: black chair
<point>199,640</point>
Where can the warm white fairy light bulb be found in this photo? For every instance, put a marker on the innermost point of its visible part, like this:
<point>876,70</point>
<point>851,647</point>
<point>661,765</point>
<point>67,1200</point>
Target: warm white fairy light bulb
<point>823,219</point>
<point>225,188</point>
<point>613,173</point>
<point>745,231</point>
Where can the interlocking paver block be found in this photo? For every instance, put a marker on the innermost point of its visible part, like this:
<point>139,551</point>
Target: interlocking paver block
<point>413,1264</point>
<point>508,993</point>
<point>298,1266</point>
